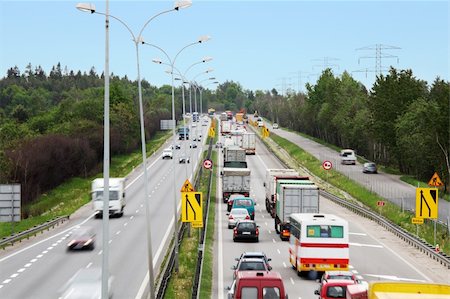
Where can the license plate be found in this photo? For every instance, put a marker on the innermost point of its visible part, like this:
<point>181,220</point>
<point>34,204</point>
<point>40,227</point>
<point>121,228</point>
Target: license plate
<point>322,266</point>
<point>246,233</point>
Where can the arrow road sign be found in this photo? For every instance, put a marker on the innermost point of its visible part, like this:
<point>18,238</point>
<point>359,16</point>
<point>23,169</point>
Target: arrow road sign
<point>427,203</point>
<point>191,207</point>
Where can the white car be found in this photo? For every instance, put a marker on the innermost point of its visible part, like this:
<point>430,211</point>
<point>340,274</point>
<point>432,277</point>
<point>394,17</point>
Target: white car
<point>275,126</point>
<point>236,215</point>
<point>348,156</point>
<point>167,153</point>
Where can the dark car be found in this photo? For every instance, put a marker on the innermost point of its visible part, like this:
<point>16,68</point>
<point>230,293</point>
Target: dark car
<point>255,255</point>
<point>176,146</point>
<point>370,167</point>
<point>184,160</point>
<point>249,264</point>
<point>193,145</point>
<point>82,238</point>
<point>246,230</point>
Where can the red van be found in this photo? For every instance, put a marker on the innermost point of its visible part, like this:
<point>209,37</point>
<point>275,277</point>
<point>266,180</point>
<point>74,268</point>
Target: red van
<point>260,285</point>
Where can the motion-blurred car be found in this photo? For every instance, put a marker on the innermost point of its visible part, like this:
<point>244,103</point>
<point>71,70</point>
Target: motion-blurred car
<point>246,230</point>
<point>82,238</point>
<point>370,167</point>
<point>249,264</point>
<point>184,160</point>
<point>235,215</point>
<point>192,145</point>
<point>86,284</point>
<point>255,255</point>
<point>275,126</point>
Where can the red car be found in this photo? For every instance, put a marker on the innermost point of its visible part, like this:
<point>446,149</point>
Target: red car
<point>334,288</point>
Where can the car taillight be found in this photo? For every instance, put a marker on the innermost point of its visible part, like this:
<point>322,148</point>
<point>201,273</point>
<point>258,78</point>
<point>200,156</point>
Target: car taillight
<point>257,231</point>
<point>235,231</point>
<point>230,217</point>
<point>247,217</point>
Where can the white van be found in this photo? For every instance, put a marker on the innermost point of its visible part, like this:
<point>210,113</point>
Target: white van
<point>348,156</point>
<point>116,196</point>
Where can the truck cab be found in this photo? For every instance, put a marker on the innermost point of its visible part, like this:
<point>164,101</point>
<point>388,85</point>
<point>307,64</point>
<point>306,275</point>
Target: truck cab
<point>260,285</point>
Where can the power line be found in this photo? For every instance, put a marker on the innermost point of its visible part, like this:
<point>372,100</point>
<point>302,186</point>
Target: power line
<point>379,55</point>
<point>326,62</point>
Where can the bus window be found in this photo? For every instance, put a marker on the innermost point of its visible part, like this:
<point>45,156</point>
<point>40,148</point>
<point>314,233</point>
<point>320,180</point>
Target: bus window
<point>324,231</point>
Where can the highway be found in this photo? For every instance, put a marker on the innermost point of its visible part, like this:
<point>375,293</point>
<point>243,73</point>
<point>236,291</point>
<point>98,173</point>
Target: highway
<point>375,254</point>
<point>40,267</point>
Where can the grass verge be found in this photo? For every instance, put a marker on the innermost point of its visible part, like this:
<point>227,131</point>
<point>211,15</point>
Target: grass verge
<point>74,193</point>
<point>369,199</point>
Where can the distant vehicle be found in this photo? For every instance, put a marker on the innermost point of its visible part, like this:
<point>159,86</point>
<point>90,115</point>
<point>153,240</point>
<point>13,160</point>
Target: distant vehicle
<point>235,215</point>
<point>219,144</point>
<point>370,167</point>
<point>167,153</point>
<point>195,116</point>
<point>183,160</point>
<point>176,146</point>
<point>348,156</point>
<point>249,264</point>
<point>270,185</point>
<point>211,111</point>
<point>86,284</point>
<point>194,124</point>
<point>235,180</point>
<point>239,118</point>
<point>246,229</point>
<point>249,143</point>
<point>183,133</point>
<point>116,196</point>
<point>260,123</point>
<point>318,242</point>
<point>246,203</point>
<point>333,289</point>
<point>341,275</point>
<point>257,255</point>
<point>82,238</point>
<point>231,199</point>
<point>193,145</point>
<point>275,126</point>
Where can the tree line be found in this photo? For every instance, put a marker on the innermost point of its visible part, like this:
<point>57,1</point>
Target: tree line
<point>402,121</point>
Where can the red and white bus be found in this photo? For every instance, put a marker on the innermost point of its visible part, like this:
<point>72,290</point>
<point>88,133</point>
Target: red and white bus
<point>318,242</point>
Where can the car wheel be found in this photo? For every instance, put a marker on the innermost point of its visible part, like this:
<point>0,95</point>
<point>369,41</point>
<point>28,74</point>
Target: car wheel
<point>229,226</point>
<point>234,239</point>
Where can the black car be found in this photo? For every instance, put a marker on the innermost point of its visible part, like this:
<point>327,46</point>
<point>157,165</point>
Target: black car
<point>193,145</point>
<point>176,146</point>
<point>246,230</point>
<point>184,160</point>
<point>82,238</point>
<point>255,255</point>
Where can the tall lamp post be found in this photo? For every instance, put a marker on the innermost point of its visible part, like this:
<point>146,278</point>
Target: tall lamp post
<point>200,88</point>
<point>137,40</point>
<point>202,39</point>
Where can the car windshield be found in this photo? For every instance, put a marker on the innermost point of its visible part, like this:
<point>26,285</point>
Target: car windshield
<point>336,291</point>
<point>113,195</point>
<point>252,266</point>
<point>246,225</point>
<point>243,202</point>
<point>239,212</point>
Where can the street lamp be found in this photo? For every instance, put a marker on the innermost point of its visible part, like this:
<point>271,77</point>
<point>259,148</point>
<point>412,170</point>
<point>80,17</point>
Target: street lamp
<point>86,7</point>
<point>200,88</point>
<point>202,39</point>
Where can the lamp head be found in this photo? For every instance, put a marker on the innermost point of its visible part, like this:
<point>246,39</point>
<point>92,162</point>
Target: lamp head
<point>207,58</point>
<point>168,71</point>
<point>182,4</point>
<point>212,78</point>
<point>86,7</point>
<point>209,70</point>
<point>204,38</point>
<point>157,60</point>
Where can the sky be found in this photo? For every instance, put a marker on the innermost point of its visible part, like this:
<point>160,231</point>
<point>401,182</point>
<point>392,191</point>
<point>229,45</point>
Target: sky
<point>259,44</point>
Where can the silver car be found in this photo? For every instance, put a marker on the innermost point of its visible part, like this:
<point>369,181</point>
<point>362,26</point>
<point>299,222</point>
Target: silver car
<point>86,284</point>
<point>236,215</point>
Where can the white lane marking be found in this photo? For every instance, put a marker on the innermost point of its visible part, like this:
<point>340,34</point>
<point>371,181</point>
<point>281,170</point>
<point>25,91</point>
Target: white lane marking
<point>274,240</point>
<point>44,252</point>
<point>131,218</point>
<point>350,267</point>
<point>50,248</point>
<point>265,166</point>
<point>263,216</point>
<point>110,241</point>
<point>358,234</point>
<point>100,252</point>
<point>125,224</point>
<point>59,241</point>
<point>142,205</point>
<point>1,286</point>
<point>284,265</point>
<point>266,223</point>
<point>88,265</point>
<point>278,250</point>
<point>45,240</point>
<point>292,281</point>
<point>137,211</point>
<point>39,256</point>
<point>14,275</point>
<point>27,265</point>
<point>118,232</point>
<point>395,278</point>
<point>54,244</point>
<point>355,271</point>
<point>153,191</point>
<point>269,231</point>
<point>6,281</point>
<point>21,270</point>
<point>33,260</point>
<point>365,245</point>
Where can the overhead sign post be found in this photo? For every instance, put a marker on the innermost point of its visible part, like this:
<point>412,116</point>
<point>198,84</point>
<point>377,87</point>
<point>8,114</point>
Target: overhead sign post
<point>191,208</point>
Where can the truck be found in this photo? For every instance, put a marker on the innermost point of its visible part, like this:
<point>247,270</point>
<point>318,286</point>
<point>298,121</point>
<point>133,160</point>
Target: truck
<point>116,196</point>
<point>249,143</point>
<point>398,290</point>
<point>225,127</point>
<point>261,284</point>
<point>270,185</point>
<point>236,135</point>
<point>293,196</point>
<point>235,180</point>
<point>233,153</point>
<point>229,115</point>
<point>183,133</point>
<point>211,111</point>
<point>239,118</point>
<point>223,116</point>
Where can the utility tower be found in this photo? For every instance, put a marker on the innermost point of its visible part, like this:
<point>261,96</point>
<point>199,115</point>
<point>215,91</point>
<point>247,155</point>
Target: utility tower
<point>379,55</point>
<point>299,75</point>
<point>326,63</point>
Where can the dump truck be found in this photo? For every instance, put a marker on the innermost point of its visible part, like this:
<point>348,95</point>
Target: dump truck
<point>293,196</point>
<point>249,143</point>
<point>398,290</point>
<point>235,180</point>
<point>239,118</point>
<point>225,127</point>
<point>233,153</point>
<point>270,184</point>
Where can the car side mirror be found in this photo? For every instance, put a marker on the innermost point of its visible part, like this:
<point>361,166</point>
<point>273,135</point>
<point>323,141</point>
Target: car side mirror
<point>316,292</point>
<point>228,288</point>
<point>228,214</point>
<point>233,268</point>
<point>270,268</point>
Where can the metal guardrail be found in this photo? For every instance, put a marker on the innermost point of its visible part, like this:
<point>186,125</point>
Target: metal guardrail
<point>403,234</point>
<point>32,231</point>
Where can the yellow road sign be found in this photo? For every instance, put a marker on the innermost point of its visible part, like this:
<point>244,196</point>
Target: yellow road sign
<point>416,220</point>
<point>191,207</point>
<point>435,181</point>
<point>427,203</point>
<point>187,187</point>
<point>211,132</point>
<point>197,224</point>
